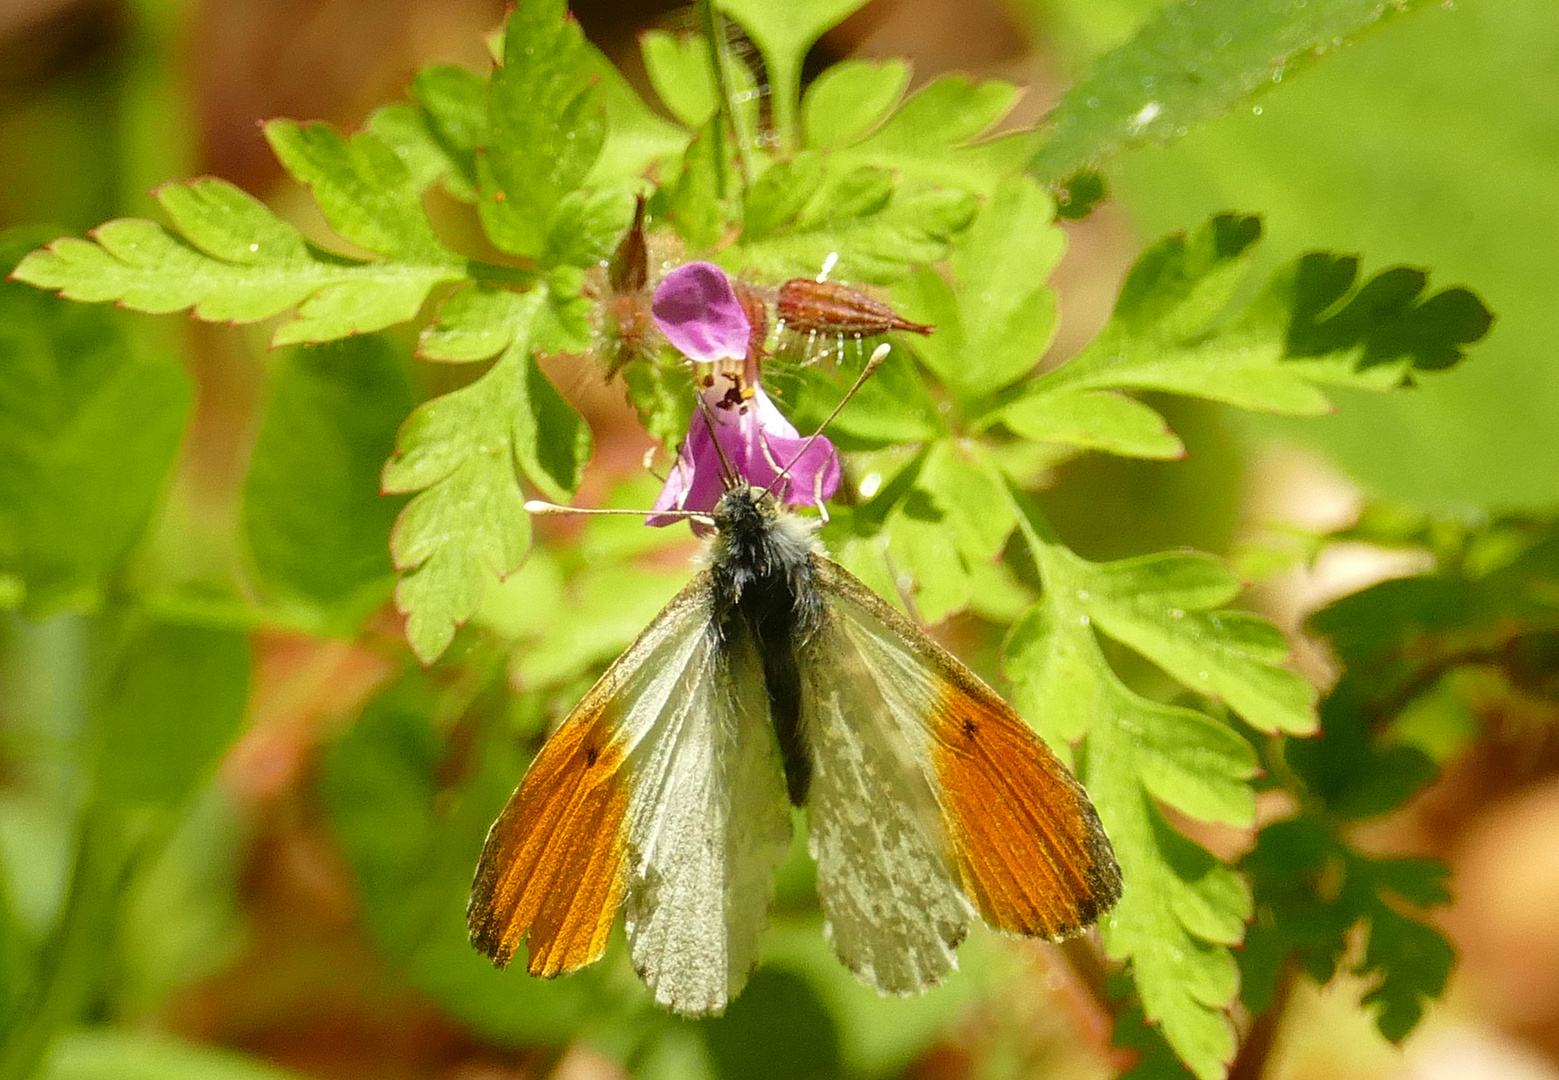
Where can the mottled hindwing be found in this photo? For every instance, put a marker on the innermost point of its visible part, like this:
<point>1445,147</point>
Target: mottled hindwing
<point>931,796</point>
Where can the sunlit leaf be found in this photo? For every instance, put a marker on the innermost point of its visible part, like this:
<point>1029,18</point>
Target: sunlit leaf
<point>546,126</point>
<point>1193,60</point>
<point>1172,329</point>
<point>233,260</point>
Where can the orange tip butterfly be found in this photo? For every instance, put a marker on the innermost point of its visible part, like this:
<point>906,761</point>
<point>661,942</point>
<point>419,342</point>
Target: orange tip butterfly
<point>776,678</point>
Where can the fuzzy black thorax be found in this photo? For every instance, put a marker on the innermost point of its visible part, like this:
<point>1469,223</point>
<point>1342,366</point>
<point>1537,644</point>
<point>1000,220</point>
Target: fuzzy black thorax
<point>762,568</point>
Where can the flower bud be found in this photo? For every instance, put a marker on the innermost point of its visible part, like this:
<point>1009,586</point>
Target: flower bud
<point>827,307</point>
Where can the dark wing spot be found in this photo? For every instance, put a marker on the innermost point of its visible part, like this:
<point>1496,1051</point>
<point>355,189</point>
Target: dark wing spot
<point>591,753</point>
<point>970,727</point>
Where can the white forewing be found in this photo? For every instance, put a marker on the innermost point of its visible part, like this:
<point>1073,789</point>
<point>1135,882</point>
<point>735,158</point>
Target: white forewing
<point>894,911</point>
<point>708,821</point>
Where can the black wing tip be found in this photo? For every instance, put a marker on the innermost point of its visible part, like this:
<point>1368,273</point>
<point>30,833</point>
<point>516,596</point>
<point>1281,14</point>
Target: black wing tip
<point>487,937</point>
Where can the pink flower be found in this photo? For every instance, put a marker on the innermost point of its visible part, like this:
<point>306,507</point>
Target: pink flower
<point>698,311</point>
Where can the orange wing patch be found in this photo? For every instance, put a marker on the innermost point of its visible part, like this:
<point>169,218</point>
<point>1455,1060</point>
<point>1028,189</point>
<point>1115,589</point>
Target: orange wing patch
<point>554,865</point>
<point>1027,844</point>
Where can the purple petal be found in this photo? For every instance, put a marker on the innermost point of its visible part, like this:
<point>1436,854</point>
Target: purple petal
<point>812,477</point>
<point>759,443</point>
<point>697,310</point>
<point>695,482</point>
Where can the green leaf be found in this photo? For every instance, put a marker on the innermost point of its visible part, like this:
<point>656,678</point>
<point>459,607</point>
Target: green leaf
<point>1312,890</point>
<point>1165,607</point>
<point>468,523</point>
<point>461,452</point>
<point>476,322</point>
<point>173,705</point>
<point>88,432</point>
<point>1182,909</point>
<point>864,225</point>
<point>696,209</point>
<point>1310,325</point>
<point>546,126</point>
<point>1414,961</point>
<point>678,68</point>
<point>317,527</point>
<point>636,138</point>
<point>104,1053</point>
<point>998,315</point>
<point>551,440</point>
<point>935,137</point>
<point>1453,128</point>
<point>784,33</point>
<point>233,260</point>
<point>1193,60</point>
<point>1093,420</point>
<point>438,136</point>
<point>849,99</point>
<point>363,187</point>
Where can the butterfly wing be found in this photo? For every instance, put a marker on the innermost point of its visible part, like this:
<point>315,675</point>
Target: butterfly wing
<point>663,788</point>
<point>931,795</point>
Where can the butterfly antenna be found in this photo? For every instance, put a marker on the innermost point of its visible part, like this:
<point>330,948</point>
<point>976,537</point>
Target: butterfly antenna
<point>879,354</point>
<point>537,506</point>
<point>730,479</point>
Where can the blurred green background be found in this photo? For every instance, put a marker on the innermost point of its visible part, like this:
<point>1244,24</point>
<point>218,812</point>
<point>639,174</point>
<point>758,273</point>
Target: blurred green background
<point>306,908</point>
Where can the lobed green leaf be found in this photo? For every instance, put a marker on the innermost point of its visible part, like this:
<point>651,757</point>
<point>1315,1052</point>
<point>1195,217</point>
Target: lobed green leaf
<point>363,187</point>
<point>1312,890</point>
<point>239,263</point>
<point>1312,324</point>
<point>545,127</point>
<point>996,316</point>
<point>460,451</point>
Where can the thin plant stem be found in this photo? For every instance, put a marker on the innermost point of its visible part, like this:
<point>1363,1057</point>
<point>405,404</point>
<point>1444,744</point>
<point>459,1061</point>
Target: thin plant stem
<point>714,34</point>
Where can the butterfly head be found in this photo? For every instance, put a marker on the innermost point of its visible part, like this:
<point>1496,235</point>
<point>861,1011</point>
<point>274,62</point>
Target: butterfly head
<point>755,536</point>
